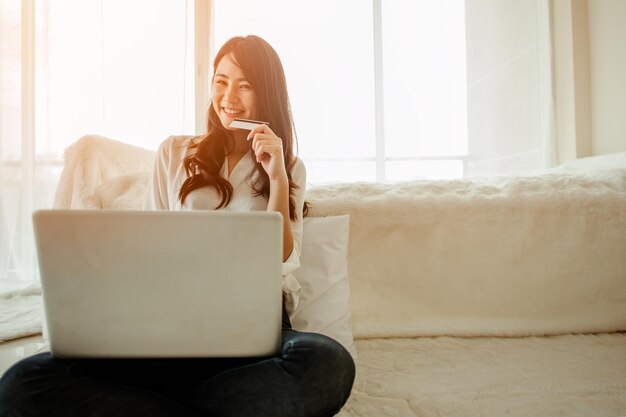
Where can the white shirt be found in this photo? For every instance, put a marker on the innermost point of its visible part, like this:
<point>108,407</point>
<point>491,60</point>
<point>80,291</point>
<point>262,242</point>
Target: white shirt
<point>169,174</point>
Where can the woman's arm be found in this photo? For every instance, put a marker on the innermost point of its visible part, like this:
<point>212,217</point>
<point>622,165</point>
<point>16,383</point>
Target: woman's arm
<point>279,201</point>
<point>268,149</point>
<point>156,196</point>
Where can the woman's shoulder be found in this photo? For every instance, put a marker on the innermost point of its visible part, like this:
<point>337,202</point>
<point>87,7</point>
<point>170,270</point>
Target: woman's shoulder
<point>298,170</point>
<point>178,145</point>
<point>180,141</point>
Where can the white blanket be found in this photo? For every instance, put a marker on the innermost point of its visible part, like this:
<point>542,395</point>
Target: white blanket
<point>20,313</point>
<point>510,256</point>
<point>92,161</point>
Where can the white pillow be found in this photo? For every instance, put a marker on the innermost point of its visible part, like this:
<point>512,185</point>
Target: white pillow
<point>324,305</point>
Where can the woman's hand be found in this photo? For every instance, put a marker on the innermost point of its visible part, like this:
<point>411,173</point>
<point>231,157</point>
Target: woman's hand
<point>268,149</point>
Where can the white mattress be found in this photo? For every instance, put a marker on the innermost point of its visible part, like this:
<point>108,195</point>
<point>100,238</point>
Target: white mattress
<point>568,375</point>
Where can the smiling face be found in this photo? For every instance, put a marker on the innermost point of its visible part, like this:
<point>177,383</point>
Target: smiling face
<point>231,94</point>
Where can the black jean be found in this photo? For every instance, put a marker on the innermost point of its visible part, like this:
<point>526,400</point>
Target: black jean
<point>312,376</point>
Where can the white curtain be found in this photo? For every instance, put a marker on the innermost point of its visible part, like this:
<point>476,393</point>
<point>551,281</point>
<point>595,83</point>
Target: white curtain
<point>24,177</point>
<point>71,68</point>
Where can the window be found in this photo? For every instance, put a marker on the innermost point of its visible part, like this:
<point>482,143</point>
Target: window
<point>424,81</point>
<point>116,68</point>
<point>351,69</point>
<point>70,68</point>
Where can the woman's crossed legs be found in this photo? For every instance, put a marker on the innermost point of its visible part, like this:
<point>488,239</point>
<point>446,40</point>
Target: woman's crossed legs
<point>312,376</point>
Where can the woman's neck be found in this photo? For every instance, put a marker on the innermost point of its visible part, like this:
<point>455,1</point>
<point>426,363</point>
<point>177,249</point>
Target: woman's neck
<point>240,144</point>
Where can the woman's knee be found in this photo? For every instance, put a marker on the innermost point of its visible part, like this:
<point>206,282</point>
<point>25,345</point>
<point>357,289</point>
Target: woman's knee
<point>24,378</point>
<point>330,366</point>
<point>338,364</point>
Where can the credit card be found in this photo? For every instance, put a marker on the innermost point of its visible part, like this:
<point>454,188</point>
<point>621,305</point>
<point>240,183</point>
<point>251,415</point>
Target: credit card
<point>246,124</point>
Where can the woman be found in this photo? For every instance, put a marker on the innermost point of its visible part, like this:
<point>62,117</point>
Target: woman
<point>229,169</point>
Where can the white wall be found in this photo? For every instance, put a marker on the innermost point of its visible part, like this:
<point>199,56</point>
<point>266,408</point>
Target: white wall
<point>572,80</point>
<point>506,85</point>
<point>607,44</point>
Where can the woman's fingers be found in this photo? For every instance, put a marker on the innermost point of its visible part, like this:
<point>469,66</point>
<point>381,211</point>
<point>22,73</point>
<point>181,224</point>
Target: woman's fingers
<point>266,148</point>
<point>265,151</point>
<point>260,129</point>
<point>263,138</point>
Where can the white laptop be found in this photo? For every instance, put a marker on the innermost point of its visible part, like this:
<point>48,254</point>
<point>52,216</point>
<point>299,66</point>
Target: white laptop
<point>130,284</point>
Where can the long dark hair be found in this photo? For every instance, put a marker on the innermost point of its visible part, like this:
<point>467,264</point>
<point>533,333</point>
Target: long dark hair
<point>263,70</point>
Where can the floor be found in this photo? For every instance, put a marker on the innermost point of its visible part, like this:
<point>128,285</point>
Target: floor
<point>14,350</point>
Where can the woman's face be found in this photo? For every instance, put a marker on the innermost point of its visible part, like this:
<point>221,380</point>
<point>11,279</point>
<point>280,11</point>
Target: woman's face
<point>231,94</point>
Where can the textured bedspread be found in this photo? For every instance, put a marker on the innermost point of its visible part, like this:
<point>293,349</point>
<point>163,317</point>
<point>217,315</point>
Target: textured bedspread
<point>568,375</point>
